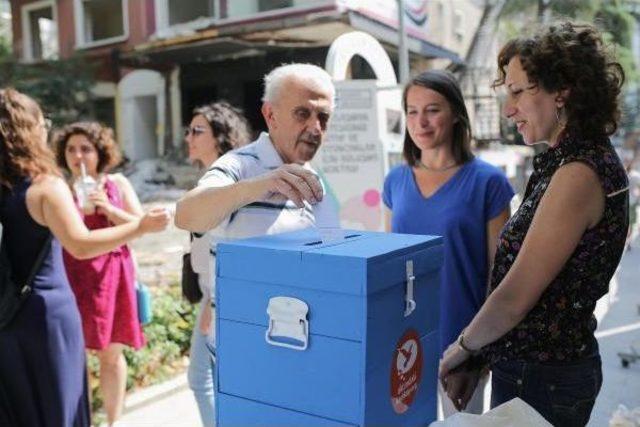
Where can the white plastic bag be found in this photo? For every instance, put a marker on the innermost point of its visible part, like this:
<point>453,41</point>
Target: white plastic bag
<point>623,417</point>
<point>514,413</point>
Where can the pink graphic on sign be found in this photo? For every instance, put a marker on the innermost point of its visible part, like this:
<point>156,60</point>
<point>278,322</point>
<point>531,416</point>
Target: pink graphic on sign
<point>371,198</point>
<point>365,209</point>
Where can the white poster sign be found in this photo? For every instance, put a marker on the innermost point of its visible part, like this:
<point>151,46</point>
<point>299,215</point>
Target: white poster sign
<point>351,157</point>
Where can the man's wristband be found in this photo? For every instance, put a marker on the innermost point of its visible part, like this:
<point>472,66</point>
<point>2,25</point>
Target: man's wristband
<point>464,347</point>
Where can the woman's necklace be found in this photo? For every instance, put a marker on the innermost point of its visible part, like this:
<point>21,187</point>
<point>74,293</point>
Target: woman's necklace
<point>443,169</point>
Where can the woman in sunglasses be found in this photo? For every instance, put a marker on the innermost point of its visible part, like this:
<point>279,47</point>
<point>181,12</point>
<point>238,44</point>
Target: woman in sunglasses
<point>214,129</point>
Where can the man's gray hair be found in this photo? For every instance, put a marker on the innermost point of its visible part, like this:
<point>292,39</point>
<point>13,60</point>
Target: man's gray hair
<point>313,74</point>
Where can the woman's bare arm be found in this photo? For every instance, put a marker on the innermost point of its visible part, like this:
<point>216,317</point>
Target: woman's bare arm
<point>50,203</point>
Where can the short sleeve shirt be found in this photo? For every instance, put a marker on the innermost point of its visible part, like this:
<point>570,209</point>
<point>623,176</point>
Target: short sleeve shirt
<point>559,328</point>
<point>459,211</point>
<point>271,215</point>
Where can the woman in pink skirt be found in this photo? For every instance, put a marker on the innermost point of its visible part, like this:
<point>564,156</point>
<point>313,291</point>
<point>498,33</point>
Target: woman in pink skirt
<point>104,286</point>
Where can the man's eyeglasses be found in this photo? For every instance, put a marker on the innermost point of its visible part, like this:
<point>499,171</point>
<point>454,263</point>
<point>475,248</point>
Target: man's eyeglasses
<point>194,130</point>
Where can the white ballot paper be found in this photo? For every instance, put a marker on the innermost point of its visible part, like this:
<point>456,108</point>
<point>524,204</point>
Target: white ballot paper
<point>328,221</point>
<point>514,413</point>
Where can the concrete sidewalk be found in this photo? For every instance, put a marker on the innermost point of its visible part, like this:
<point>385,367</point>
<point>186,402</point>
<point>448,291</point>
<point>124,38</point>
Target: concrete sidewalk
<point>172,404</point>
<point>618,330</point>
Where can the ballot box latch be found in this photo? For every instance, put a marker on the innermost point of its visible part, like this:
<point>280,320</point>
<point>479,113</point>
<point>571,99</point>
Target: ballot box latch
<point>410,303</point>
<point>288,324</point>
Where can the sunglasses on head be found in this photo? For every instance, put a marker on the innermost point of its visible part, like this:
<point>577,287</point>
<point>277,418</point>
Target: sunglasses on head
<point>194,130</point>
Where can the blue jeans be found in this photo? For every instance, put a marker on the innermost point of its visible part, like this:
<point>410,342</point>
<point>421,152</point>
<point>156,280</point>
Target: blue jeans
<point>563,394</point>
<point>200,374</point>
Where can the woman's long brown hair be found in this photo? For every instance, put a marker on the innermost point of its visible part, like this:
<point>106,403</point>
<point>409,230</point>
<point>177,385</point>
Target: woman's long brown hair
<point>22,153</point>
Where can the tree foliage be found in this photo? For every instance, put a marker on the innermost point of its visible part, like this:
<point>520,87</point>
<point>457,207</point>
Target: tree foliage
<point>611,16</point>
<point>535,11</point>
<point>62,87</point>
<point>5,48</point>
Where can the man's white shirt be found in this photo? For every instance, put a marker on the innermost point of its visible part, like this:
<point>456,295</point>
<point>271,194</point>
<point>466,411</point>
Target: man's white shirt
<point>271,215</point>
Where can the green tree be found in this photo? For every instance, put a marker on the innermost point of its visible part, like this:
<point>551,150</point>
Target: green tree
<point>618,24</point>
<point>542,11</point>
<point>5,48</point>
<point>62,87</point>
<point>612,17</point>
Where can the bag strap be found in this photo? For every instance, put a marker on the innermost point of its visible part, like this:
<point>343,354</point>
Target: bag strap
<point>36,266</point>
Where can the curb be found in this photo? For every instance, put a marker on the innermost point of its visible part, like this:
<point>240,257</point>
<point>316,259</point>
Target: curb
<point>148,395</point>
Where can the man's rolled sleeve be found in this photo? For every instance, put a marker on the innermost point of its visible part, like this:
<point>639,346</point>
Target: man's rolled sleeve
<point>227,170</point>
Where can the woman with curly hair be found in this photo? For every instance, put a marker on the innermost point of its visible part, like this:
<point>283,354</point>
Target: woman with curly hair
<point>104,285</point>
<point>215,128</point>
<point>558,252</point>
<point>42,359</point>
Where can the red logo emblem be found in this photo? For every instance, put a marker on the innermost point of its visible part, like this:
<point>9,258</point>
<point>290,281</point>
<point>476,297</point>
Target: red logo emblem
<point>406,371</point>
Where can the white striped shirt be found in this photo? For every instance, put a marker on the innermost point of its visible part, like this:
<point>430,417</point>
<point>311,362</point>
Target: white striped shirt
<point>267,216</point>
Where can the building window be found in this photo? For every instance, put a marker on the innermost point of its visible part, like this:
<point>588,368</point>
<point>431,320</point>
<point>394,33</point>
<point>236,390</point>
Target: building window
<point>40,31</point>
<point>440,12</point>
<point>458,26</point>
<point>181,11</point>
<point>264,5</point>
<point>101,21</point>
<point>437,24</point>
<point>199,14</point>
<point>103,103</point>
<point>240,9</point>
<point>104,111</point>
<point>191,13</point>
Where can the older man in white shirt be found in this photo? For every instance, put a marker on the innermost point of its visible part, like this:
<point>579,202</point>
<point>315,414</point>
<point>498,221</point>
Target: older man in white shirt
<point>268,186</point>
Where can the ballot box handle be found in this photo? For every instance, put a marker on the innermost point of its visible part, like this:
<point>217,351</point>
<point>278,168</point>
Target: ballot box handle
<point>288,324</point>
<point>409,302</point>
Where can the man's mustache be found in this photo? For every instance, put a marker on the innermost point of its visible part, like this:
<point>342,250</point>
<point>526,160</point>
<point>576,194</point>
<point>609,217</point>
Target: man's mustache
<point>307,137</point>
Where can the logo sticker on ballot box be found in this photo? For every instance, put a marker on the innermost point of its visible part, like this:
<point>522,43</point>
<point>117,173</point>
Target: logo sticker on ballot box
<point>406,371</point>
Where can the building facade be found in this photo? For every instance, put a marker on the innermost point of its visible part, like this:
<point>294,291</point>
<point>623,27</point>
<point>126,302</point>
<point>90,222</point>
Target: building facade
<point>158,59</point>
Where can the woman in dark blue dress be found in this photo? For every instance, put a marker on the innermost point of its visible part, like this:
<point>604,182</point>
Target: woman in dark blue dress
<point>42,362</point>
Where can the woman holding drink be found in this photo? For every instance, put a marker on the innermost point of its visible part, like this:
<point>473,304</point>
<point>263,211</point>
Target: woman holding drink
<point>104,286</point>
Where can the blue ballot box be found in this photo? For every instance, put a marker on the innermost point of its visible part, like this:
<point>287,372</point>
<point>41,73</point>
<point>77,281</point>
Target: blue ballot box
<point>313,334</point>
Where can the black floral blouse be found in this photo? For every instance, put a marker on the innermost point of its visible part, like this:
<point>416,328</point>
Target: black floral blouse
<point>559,329</point>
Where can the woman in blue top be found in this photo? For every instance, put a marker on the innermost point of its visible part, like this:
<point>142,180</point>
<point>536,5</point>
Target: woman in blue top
<point>444,190</point>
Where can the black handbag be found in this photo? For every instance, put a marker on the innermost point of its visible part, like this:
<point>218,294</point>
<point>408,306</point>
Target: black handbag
<point>12,293</point>
<point>190,285</point>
